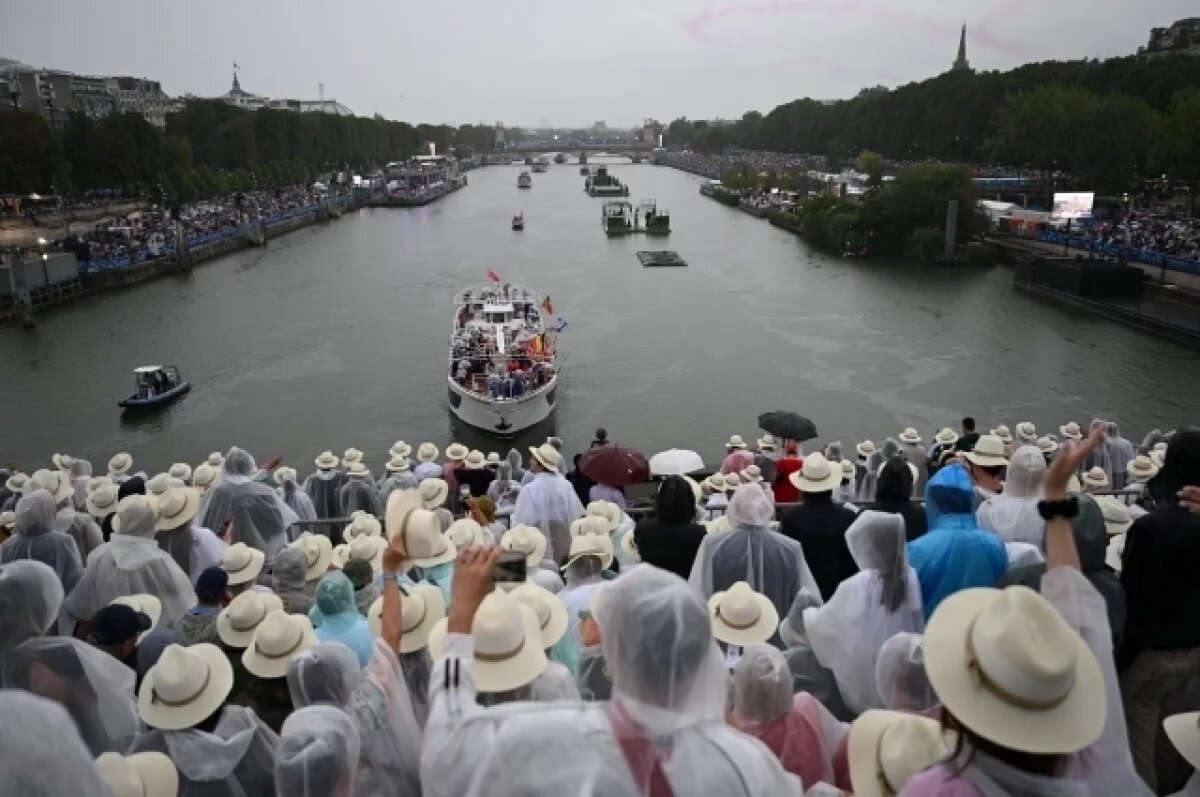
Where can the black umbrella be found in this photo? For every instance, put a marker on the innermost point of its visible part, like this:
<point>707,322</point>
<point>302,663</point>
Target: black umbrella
<point>787,425</point>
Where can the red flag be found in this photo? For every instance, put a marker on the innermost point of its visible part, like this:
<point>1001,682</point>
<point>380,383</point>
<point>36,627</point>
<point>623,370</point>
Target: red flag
<point>493,276</point>
<point>549,308</point>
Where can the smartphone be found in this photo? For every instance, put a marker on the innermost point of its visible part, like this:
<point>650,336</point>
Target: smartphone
<point>510,569</point>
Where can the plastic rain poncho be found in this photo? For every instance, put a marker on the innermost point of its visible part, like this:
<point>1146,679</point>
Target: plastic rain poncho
<point>327,673</point>
<point>1101,456</point>
<point>396,481</point>
<point>864,492</point>
<point>288,573</point>
<point>335,616</point>
<point>954,553</point>
<point>131,563</point>
<point>43,754</point>
<point>1120,452</point>
<point>322,487</point>
<point>514,460</point>
<point>773,565</point>
<point>30,596</point>
<point>260,518</point>
<point>808,674</point>
<point>669,680</point>
<point>801,733</point>
<point>1012,515</point>
<point>879,601</point>
<point>34,538</point>
<point>80,527</point>
<point>236,760</point>
<point>318,753</point>
<point>358,495</point>
<point>900,677</point>
<point>296,499</point>
<point>81,471</point>
<point>549,503</point>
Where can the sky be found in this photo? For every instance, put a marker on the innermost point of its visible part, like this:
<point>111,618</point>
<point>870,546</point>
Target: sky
<point>566,62</point>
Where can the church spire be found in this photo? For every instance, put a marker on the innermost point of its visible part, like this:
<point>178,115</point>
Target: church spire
<point>960,63</point>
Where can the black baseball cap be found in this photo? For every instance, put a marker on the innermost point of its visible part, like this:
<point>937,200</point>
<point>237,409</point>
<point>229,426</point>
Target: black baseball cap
<point>118,623</point>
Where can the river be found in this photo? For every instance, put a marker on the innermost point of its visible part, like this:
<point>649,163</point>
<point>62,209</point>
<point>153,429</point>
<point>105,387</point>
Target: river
<point>336,336</point>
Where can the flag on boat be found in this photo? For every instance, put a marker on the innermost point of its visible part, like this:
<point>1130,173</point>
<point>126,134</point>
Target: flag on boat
<point>493,276</point>
<point>560,324</point>
<point>536,346</point>
<point>549,308</point>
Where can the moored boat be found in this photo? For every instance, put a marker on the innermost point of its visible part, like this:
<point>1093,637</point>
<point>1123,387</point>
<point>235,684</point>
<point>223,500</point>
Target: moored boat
<point>524,180</point>
<point>560,158</point>
<point>518,222</point>
<point>541,163</point>
<point>155,386</point>
<point>601,183</point>
<point>652,219</point>
<point>616,217</point>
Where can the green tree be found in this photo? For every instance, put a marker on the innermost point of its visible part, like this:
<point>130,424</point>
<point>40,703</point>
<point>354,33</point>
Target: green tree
<point>1114,144</point>
<point>679,132</point>
<point>1176,140</point>
<point>872,164</point>
<point>1044,128</point>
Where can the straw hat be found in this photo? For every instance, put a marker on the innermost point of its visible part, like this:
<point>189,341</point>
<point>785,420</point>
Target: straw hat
<point>865,449</point>
<point>548,456</point>
<point>457,452</point>
<point>55,482</point>
<point>735,442</point>
<point>62,461</point>
<point>181,471</point>
<point>400,450</point>
<point>95,482</point>
<point>139,775</point>
<point>508,652</point>
<point>493,459</point>
<point>1003,433</point>
<point>1161,448</point>
<point>284,474</point>
<point>204,475</point>
<point>591,545</point>
<point>17,483</point>
<point>185,686</point>
<point>1071,431</point>
<point>1096,478</point>
<point>475,460</point>
<point>732,481</point>
<point>216,459</point>
<point>607,510</point>
<point>716,482</point>
<point>717,525</point>
<point>363,549</point>
<point>421,533</point>
<point>989,452</point>
<point>102,501</point>
<point>398,464</point>
<point>120,464</point>
<point>427,452</point>
<point>357,470</point>
<point>1046,445</point>
<point>362,524</point>
<point>816,475</point>
<point>465,533</point>
<point>590,524</point>
<point>1184,732</point>
<point>767,442</point>
<point>528,540</point>
<point>1116,514</point>
<point>128,501</point>
<point>1157,458</point>
<point>741,616</point>
<point>848,469</point>
<point>1141,469</point>
<point>158,484</point>
<point>910,436</point>
<point>629,546</point>
<point>551,612</point>
<point>420,611</point>
<point>242,563</point>
<point>433,492</point>
<point>8,519</point>
<point>148,605</point>
<point>1006,664</point>
<point>237,621</point>
<point>1115,552</point>
<point>277,640</point>
<point>1027,433</point>
<point>886,748</point>
<point>318,553</point>
<point>350,456</point>
<point>751,474</point>
<point>326,461</point>
<point>176,506</point>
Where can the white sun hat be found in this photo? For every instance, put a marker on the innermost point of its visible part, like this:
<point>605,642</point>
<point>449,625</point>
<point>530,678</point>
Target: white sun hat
<point>716,482</point>
<point>96,482</point>
<point>350,456</point>
<point>216,459</point>
<point>590,524</point>
<point>1027,433</point>
<point>318,553</point>
<point>326,460</point>
<point>551,612</point>
<point>1003,433</point>
<point>946,436</point>
<point>398,464</point>
<point>1116,514</point>
<point>1009,668</point>
<point>17,483</point>
<point>242,563</point>
<point>139,775</point>
<point>717,525</point>
<point>148,605</point>
<point>607,510</point>
<point>177,506</point>
<point>866,448</point>
<point>1115,552</point>
<point>284,474</point>
<point>1096,478</point>
<point>1141,468</point>
<point>185,687</point>
<point>508,652</point>
<point>457,452</point>
<point>120,464</point>
<point>465,533</point>
<point>421,534</point>
<point>740,616</point>
<point>475,460</point>
<point>278,639</point>
<point>159,483</point>
<point>629,546</point>
<point>427,452</point>
<point>751,474</point>
<point>361,549</point>
<point>989,452</point>
<point>1047,445</point>
<point>237,621</point>
<point>886,748</point>
<point>204,476</point>
<point>1158,458</point>
<point>493,459</point>
<point>1071,431</point>
<point>910,436</point>
<point>548,456</point>
<point>56,482</point>
<point>1184,732</point>
<point>767,442</point>
<point>529,540</point>
<point>433,492</point>
<point>357,470</point>
<point>400,450</point>
<point>420,610</point>
<point>848,469</point>
<point>732,481</point>
<point>62,461</point>
<point>181,471</point>
<point>599,545</point>
<point>8,519</point>
<point>735,442</point>
<point>816,475</point>
<point>362,524</point>
<point>102,501</point>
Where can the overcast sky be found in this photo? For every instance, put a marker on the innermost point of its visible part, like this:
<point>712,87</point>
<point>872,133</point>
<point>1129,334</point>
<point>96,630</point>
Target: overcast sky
<point>567,62</point>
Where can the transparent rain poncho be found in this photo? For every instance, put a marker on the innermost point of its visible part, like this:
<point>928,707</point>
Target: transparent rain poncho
<point>881,600</point>
<point>358,495</point>
<point>131,563</point>
<point>801,733</point>
<point>297,500</point>
<point>549,503</point>
<point>514,460</point>
<point>34,538</point>
<point>770,563</point>
<point>318,753</point>
<point>30,596</point>
<point>288,577</point>
<point>808,674</point>
<point>396,481</point>
<point>327,673</point>
<point>335,616</point>
<point>43,754</point>
<point>900,675</point>
<point>80,527</point>
<point>865,487</point>
<point>322,487</point>
<point>1012,515</point>
<point>260,518</point>
<point>81,471</point>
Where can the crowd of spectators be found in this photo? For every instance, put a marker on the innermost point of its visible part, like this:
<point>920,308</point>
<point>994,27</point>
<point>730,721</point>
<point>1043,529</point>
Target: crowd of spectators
<point>1170,235</point>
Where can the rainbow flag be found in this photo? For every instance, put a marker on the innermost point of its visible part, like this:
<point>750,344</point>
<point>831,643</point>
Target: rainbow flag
<point>493,276</point>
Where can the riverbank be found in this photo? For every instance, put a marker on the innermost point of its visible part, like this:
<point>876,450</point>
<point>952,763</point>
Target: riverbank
<point>26,230</point>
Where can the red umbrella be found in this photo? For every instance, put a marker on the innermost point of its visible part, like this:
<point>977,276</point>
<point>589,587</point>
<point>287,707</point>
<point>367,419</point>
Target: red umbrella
<point>616,466</point>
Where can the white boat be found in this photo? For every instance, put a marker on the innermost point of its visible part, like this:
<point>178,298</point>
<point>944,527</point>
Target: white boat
<point>524,180</point>
<point>502,376</point>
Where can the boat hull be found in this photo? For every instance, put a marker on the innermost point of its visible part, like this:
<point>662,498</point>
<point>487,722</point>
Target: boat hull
<point>162,399</point>
<point>502,418</point>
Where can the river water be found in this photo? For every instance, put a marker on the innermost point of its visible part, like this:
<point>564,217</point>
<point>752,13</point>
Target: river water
<point>336,336</point>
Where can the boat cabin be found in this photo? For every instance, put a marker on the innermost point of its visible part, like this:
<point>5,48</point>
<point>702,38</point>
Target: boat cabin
<point>152,380</point>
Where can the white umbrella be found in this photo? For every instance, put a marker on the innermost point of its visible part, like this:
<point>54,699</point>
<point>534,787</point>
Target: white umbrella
<point>675,462</point>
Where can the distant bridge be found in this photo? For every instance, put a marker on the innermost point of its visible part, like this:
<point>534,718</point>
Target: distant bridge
<point>568,147</point>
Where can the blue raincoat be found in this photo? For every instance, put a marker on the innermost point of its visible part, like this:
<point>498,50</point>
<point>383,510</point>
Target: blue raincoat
<point>335,616</point>
<point>954,553</point>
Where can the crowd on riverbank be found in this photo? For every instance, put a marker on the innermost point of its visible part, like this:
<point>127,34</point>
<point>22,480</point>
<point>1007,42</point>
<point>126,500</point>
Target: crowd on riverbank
<point>1170,235</point>
<point>826,617</point>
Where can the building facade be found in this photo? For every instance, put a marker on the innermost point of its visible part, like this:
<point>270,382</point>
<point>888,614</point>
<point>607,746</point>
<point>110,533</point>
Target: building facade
<point>1183,36</point>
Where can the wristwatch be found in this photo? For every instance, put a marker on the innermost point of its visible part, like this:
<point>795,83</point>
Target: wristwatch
<point>391,576</point>
<point>1067,508</point>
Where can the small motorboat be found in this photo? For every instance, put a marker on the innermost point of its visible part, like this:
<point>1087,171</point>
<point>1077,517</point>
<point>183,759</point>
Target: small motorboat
<point>518,222</point>
<point>155,386</point>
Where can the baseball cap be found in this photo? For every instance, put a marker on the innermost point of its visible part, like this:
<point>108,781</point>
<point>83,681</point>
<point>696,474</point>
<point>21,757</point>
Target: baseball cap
<point>117,623</point>
<point>211,584</point>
